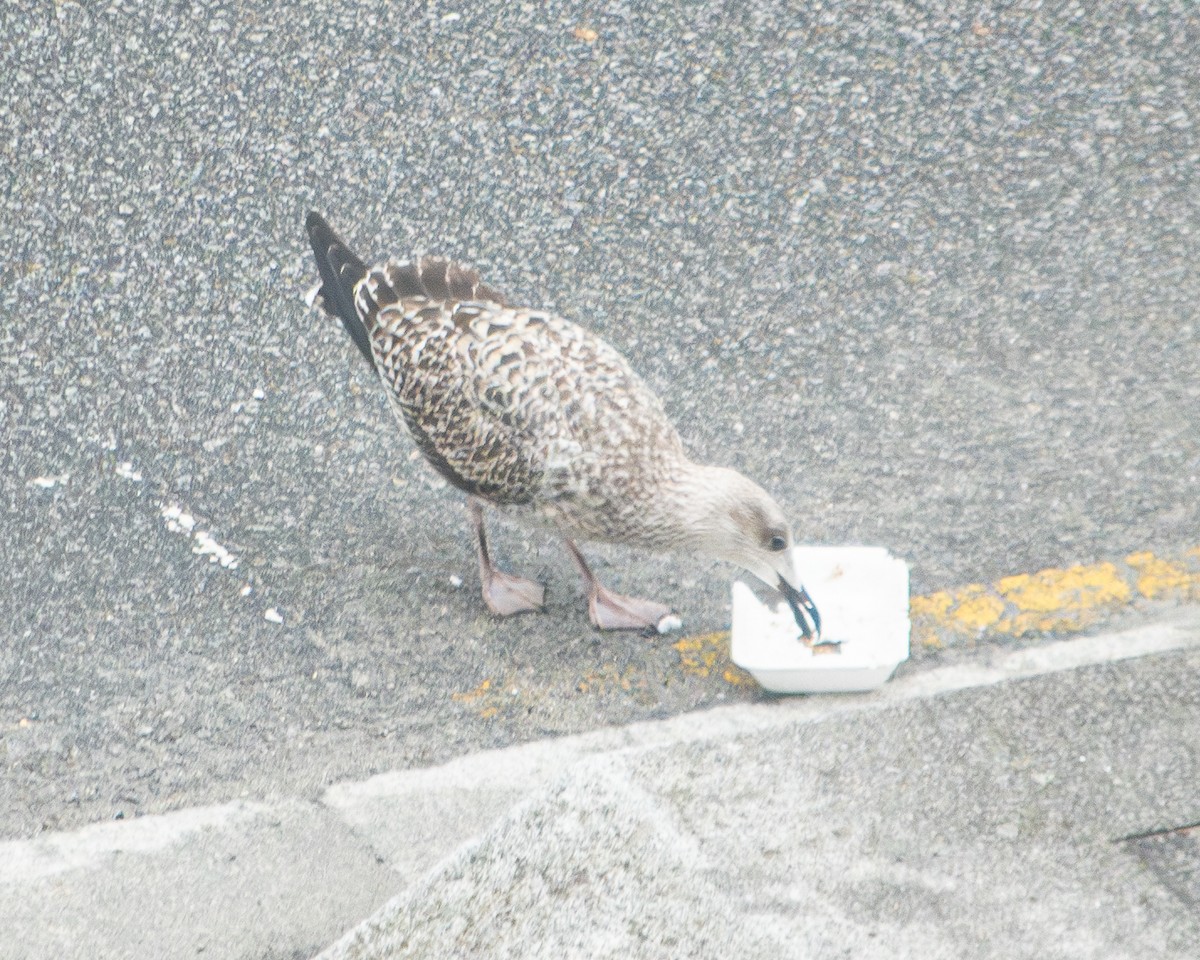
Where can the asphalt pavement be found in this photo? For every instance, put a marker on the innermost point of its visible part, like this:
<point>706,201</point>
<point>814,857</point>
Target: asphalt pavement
<point>927,275</point>
<point>1027,819</point>
<point>1032,803</point>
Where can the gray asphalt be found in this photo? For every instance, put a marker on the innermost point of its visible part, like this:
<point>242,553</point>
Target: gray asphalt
<point>989,823</point>
<point>927,276</point>
<point>1028,803</point>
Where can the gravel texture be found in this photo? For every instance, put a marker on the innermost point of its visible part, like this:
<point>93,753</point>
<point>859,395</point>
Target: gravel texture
<point>975,824</point>
<point>929,276</point>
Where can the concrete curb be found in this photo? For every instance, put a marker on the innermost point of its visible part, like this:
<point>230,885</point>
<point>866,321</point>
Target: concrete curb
<point>954,817</point>
<point>242,879</point>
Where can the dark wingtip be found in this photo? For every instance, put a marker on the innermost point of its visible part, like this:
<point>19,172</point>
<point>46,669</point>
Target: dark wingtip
<point>320,234</point>
<point>340,270</point>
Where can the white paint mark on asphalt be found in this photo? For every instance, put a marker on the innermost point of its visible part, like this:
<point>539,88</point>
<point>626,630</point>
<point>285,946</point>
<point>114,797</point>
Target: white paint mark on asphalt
<point>180,521</point>
<point>126,470</point>
<point>47,482</point>
<point>207,546</point>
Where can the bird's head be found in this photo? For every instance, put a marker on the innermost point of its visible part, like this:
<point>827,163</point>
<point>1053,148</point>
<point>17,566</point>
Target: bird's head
<point>732,518</point>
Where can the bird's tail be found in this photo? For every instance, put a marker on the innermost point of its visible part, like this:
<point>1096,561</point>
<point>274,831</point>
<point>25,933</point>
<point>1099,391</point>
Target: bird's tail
<point>341,272</point>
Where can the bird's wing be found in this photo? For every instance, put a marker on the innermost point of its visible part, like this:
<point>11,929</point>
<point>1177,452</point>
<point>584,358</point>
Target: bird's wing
<point>448,388</point>
<point>509,404</point>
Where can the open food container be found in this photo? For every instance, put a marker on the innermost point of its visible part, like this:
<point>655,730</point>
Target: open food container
<point>862,596</point>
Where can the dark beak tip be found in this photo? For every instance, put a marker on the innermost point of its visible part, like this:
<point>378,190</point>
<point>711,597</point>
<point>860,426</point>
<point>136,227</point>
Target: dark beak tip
<point>808,619</point>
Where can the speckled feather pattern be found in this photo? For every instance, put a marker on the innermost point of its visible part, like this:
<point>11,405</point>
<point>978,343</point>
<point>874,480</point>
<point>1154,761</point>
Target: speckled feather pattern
<point>528,411</point>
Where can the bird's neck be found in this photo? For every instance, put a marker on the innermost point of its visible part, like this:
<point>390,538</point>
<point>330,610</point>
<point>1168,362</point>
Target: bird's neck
<point>699,500</point>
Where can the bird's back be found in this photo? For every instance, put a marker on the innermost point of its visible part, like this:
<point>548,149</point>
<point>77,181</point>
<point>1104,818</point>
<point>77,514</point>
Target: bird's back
<point>517,406</point>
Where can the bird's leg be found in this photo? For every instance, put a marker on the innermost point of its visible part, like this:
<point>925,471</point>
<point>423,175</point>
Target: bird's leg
<point>503,593</point>
<point>614,611</point>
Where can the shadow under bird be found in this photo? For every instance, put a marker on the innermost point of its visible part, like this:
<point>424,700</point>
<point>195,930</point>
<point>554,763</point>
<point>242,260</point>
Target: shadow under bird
<point>536,417</point>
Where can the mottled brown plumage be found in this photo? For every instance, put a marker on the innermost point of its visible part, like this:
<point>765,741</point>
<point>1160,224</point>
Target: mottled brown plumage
<point>532,414</point>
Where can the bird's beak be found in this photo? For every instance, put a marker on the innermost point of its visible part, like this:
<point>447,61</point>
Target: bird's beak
<point>803,609</point>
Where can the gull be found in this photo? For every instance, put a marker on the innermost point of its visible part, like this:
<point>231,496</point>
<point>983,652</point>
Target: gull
<point>533,416</point>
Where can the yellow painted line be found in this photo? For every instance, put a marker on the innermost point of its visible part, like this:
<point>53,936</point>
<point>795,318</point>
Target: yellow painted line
<point>1053,601</point>
<point>1050,602</point>
<point>698,655</point>
<point>486,700</point>
<point>476,694</point>
<point>611,677</point>
<point>1159,578</point>
<point>708,653</point>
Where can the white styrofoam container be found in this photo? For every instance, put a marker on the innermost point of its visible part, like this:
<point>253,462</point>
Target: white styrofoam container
<point>862,596</point>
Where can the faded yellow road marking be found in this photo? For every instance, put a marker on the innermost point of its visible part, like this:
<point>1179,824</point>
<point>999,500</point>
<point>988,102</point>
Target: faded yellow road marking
<point>483,699</point>
<point>1164,578</point>
<point>609,676</point>
<point>706,653</point>
<point>475,694</point>
<point>1052,601</point>
<point>699,654</point>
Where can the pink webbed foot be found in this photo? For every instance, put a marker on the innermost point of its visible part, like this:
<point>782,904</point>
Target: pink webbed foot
<point>503,593</point>
<point>506,595</point>
<point>615,611</point>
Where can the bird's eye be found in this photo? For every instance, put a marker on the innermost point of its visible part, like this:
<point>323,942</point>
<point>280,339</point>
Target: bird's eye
<point>777,543</point>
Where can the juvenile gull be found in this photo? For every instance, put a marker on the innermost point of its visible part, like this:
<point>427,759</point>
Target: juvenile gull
<point>537,417</point>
